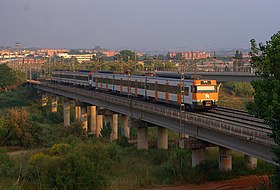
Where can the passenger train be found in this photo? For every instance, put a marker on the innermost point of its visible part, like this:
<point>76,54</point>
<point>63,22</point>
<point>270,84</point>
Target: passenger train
<point>197,94</point>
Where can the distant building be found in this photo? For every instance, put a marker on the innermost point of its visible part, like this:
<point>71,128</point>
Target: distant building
<point>80,57</point>
<point>109,53</point>
<point>189,55</point>
<point>50,52</point>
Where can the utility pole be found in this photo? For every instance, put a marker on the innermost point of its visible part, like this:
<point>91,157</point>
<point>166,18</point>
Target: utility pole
<point>17,44</point>
<point>135,61</point>
<point>182,103</point>
<point>49,66</point>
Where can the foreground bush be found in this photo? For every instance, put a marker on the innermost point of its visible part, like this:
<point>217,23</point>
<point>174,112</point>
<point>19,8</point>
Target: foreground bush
<point>84,166</point>
<point>17,129</point>
<point>7,166</point>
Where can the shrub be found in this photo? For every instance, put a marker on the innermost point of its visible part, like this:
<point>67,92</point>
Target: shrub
<point>7,166</point>
<point>176,167</point>
<point>16,129</point>
<point>239,88</point>
<point>10,78</point>
<point>83,166</point>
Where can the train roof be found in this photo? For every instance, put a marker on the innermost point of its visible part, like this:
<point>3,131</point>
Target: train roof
<point>170,76</point>
<point>72,72</point>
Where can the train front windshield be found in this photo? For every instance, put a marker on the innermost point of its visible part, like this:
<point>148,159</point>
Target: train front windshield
<point>204,89</point>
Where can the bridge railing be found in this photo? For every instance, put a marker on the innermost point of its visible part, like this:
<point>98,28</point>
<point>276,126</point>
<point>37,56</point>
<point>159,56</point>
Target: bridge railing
<point>260,135</point>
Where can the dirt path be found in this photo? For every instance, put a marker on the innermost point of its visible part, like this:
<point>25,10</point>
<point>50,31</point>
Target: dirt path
<point>242,183</point>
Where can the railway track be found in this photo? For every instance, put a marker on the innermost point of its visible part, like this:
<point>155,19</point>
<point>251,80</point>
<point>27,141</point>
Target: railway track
<point>237,116</point>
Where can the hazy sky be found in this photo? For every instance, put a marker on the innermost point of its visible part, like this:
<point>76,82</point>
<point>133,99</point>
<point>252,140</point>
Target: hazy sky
<point>135,24</point>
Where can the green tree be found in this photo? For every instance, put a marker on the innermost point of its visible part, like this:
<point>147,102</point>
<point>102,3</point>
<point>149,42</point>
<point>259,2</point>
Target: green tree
<point>238,63</point>
<point>17,129</point>
<point>127,55</point>
<point>266,104</point>
<point>9,78</point>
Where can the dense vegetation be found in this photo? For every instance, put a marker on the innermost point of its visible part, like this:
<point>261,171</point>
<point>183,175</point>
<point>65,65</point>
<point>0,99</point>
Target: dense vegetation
<point>77,164</point>
<point>241,89</point>
<point>10,78</point>
<point>17,97</point>
<point>266,104</point>
<point>235,94</point>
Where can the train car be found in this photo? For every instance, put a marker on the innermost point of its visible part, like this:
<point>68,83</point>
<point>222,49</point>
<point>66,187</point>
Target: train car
<point>204,94</point>
<point>71,77</point>
<point>197,94</point>
<point>102,81</point>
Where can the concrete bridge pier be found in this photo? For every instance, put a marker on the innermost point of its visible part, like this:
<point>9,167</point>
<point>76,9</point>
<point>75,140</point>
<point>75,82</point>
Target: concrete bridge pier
<point>125,125</point>
<point>225,159</point>
<point>114,127</point>
<point>66,112</point>
<point>198,148</point>
<point>92,121</point>
<point>142,138</point>
<point>77,112</point>
<point>142,134</point>
<point>198,156</point>
<point>162,138</point>
<point>84,119</point>
<point>99,125</point>
<point>54,104</point>
<point>44,100</point>
<point>250,162</point>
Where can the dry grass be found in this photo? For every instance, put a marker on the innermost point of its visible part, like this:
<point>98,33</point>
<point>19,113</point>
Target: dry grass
<point>230,101</point>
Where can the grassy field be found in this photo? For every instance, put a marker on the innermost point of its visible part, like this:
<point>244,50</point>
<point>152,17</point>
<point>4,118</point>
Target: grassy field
<point>231,100</point>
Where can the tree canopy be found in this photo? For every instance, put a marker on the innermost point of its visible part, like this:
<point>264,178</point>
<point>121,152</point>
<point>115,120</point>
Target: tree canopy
<point>126,55</point>
<point>266,104</point>
<point>10,78</point>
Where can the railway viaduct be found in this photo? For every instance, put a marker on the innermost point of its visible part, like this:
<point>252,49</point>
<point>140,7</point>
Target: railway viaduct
<point>254,142</point>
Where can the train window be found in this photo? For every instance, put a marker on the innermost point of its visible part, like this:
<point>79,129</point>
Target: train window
<point>150,86</point>
<point>205,89</point>
<point>141,85</point>
<point>174,89</point>
<point>132,83</point>
<point>161,87</point>
<point>167,88</point>
<point>85,78</point>
<point>136,84</point>
<point>187,91</point>
<point>178,90</point>
<point>123,82</point>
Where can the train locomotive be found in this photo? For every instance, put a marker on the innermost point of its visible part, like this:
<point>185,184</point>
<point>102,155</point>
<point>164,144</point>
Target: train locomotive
<point>197,94</point>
